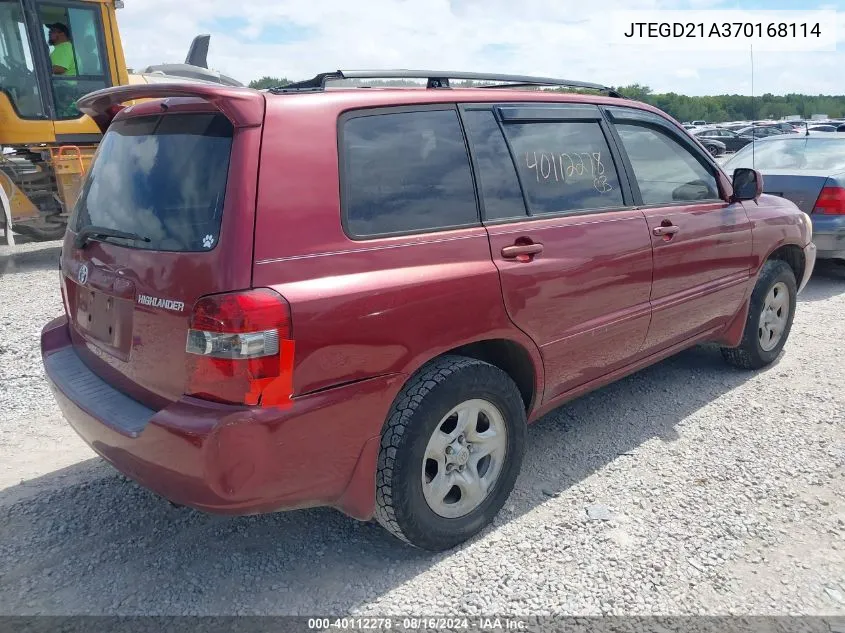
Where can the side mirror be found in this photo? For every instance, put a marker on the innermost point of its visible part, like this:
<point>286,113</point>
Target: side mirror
<point>747,184</point>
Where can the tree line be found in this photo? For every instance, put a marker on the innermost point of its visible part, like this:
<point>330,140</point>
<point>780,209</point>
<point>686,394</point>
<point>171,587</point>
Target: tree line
<point>718,108</point>
<point>714,108</point>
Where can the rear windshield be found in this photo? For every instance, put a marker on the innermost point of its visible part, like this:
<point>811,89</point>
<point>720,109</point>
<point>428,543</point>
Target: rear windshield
<point>162,178</point>
<point>807,153</point>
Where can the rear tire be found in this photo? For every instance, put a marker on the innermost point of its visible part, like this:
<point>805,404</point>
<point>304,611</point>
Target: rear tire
<point>436,484</point>
<point>770,315</point>
<point>47,232</point>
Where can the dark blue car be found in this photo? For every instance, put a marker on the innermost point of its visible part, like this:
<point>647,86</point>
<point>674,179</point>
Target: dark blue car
<point>809,170</point>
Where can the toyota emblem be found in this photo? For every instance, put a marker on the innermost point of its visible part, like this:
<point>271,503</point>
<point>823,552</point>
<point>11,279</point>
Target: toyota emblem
<point>83,274</point>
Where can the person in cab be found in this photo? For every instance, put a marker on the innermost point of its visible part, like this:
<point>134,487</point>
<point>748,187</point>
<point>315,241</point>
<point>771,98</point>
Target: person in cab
<point>62,56</point>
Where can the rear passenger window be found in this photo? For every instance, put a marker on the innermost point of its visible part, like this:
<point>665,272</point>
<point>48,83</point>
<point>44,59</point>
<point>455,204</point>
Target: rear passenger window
<point>564,166</point>
<point>406,172</point>
<point>499,185</point>
<point>666,171</point>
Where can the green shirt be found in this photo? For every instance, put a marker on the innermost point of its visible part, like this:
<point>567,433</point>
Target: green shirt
<point>62,55</point>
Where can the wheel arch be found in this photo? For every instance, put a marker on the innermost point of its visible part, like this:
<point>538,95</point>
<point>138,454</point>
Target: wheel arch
<point>513,359</point>
<point>522,363</point>
<point>793,255</point>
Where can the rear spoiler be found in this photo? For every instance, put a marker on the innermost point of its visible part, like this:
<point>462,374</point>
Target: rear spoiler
<point>244,107</point>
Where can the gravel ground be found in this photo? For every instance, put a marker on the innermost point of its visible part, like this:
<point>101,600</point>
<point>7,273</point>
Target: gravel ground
<point>688,488</point>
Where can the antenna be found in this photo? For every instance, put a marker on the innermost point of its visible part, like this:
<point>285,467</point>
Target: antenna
<point>753,113</point>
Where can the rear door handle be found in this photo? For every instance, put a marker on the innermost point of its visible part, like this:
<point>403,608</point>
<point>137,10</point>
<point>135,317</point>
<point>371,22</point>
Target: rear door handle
<point>521,251</point>
<point>665,230</point>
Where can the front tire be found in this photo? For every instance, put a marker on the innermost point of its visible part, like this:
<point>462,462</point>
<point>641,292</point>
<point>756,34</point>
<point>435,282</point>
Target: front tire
<point>451,450</point>
<point>770,315</point>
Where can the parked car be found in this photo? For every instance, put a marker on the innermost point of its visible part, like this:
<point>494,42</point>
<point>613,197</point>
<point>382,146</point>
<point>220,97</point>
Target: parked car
<point>730,139</point>
<point>699,123</point>
<point>809,171</point>
<point>759,131</point>
<point>359,298</point>
<point>734,127</point>
<point>714,146</point>
<point>822,128</point>
<point>783,126</point>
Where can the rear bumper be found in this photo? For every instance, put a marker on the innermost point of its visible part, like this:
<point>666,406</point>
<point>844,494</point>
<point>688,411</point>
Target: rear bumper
<point>809,265</point>
<point>830,245</point>
<point>317,450</point>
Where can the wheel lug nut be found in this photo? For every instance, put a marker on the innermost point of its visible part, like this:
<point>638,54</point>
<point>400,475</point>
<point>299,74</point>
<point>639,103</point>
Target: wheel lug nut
<point>449,450</point>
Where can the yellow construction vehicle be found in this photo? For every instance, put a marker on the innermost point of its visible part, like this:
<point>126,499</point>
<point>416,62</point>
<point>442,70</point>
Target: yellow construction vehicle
<point>51,53</point>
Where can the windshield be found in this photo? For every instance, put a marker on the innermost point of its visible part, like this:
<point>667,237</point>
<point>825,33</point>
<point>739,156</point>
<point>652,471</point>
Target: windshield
<point>808,153</point>
<point>17,71</point>
<point>162,178</point>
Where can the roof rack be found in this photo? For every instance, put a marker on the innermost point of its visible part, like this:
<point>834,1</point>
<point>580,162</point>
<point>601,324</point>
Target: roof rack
<point>440,79</point>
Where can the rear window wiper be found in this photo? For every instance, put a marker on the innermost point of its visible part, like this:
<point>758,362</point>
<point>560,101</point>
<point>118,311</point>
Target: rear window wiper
<point>90,231</point>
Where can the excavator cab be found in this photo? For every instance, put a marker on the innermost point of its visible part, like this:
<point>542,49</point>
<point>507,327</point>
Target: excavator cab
<point>38,93</point>
<point>51,53</point>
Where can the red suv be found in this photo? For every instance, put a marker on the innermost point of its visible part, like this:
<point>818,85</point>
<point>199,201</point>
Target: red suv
<point>360,297</point>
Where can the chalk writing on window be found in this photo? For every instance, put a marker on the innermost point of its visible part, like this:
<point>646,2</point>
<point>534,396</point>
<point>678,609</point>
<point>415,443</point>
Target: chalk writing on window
<point>553,167</point>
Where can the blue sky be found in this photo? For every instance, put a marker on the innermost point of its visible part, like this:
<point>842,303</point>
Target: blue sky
<point>298,39</point>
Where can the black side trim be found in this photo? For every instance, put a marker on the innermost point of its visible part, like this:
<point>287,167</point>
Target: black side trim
<point>548,112</point>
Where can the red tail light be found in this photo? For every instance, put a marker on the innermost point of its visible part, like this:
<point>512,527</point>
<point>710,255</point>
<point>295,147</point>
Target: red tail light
<point>831,201</point>
<point>239,348</point>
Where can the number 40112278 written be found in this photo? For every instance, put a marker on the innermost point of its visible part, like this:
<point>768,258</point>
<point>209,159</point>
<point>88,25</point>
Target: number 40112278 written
<point>552,167</point>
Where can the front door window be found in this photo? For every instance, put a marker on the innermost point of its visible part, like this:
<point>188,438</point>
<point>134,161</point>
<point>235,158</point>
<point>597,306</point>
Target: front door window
<point>666,172</point>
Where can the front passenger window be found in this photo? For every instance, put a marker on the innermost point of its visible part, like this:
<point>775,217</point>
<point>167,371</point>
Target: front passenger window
<point>665,170</point>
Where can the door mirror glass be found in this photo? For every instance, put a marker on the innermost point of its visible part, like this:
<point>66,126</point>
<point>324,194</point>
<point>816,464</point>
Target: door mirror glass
<point>747,184</point>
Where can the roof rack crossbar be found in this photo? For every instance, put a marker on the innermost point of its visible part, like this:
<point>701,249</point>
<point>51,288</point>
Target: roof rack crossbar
<point>440,79</point>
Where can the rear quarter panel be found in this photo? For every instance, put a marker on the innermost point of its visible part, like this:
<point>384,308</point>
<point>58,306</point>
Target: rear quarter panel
<point>371,307</point>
